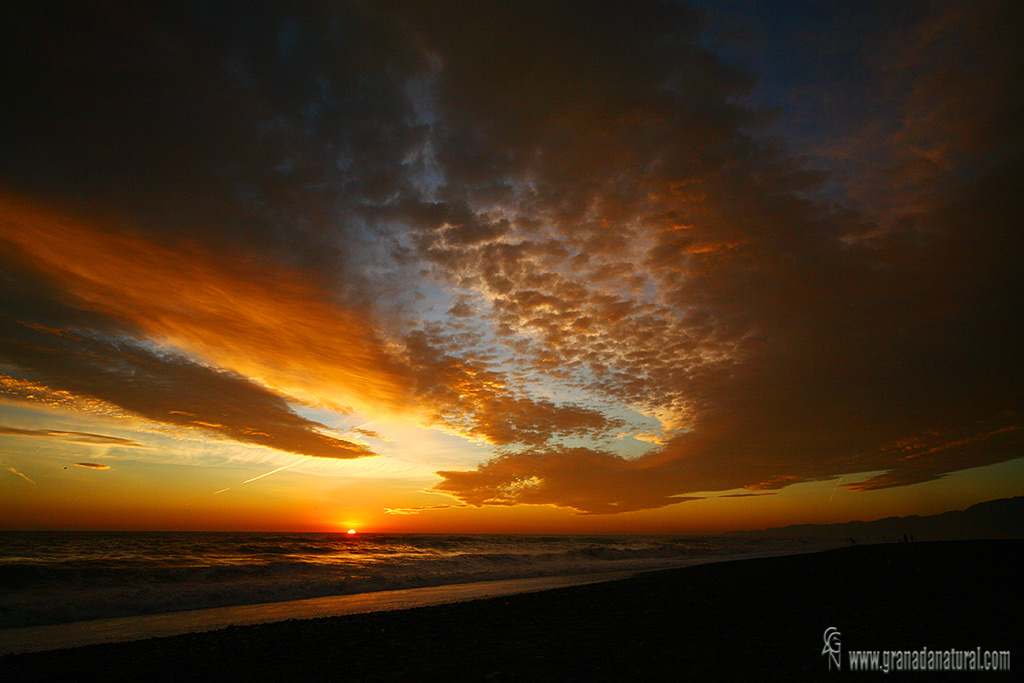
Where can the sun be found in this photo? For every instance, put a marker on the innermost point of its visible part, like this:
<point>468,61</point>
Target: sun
<point>351,531</point>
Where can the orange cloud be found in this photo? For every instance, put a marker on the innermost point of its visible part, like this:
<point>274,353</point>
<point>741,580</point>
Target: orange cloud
<point>76,370</point>
<point>253,317</point>
<point>586,480</point>
<point>92,465</point>
<point>417,510</point>
<point>466,397</point>
<point>368,433</point>
<point>73,437</point>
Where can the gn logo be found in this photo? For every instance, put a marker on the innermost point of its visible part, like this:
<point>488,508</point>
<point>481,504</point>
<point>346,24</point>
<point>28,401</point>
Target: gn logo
<point>832,648</point>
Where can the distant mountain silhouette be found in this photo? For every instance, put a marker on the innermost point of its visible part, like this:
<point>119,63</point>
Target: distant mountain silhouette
<point>1003,518</point>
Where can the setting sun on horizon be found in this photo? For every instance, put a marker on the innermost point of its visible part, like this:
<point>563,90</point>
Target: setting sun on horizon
<point>653,269</point>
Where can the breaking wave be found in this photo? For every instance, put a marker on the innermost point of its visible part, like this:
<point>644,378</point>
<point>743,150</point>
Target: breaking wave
<point>50,577</point>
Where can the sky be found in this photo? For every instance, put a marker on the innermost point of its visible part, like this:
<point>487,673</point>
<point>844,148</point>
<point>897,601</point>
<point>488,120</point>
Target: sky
<point>542,267</point>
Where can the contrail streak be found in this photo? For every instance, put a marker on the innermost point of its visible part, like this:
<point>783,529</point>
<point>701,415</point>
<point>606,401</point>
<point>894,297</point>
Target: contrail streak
<point>265,474</point>
<point>835,489</point>
<point>283,467</point>
<point>19,474</point>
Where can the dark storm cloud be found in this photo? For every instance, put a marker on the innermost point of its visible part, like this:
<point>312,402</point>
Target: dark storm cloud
<point>795,338</point>
<point>586,179</point>
<point>274,139</point>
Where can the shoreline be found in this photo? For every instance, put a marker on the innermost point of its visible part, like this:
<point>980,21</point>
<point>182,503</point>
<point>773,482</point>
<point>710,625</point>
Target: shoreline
<point>128,628</point>
<point>762,618</point>
<point>49,637</point>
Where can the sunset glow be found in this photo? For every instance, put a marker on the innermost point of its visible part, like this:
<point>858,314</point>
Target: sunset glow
<point>512,268</point>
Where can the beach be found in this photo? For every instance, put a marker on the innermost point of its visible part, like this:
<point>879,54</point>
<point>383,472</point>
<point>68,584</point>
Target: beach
<point>754,619</point>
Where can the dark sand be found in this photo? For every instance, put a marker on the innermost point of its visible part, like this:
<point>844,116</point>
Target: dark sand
<point>750,620</point>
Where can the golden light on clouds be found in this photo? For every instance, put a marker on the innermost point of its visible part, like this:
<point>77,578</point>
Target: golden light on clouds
<point>257,319</point>
<point>577,265</point>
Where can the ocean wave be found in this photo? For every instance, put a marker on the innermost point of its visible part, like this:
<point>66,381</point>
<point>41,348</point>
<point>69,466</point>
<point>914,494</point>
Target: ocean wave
<point>110,575</point>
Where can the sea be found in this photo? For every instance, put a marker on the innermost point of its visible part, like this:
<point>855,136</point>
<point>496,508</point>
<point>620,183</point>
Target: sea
<point>49,578</point>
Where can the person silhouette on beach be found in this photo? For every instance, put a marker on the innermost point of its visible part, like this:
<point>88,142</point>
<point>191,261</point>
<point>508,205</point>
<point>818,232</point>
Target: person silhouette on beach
<point>905,539</point>
<point>853,541</point>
